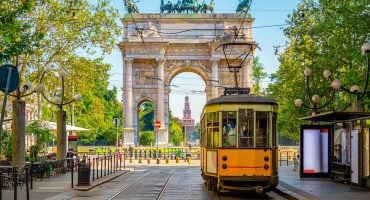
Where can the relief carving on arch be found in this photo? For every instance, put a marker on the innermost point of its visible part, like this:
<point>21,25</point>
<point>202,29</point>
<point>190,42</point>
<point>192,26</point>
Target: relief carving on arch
<point>226,78</point>
<point>204,65</point>
<point>144,73</point>
<point>188,50</point>
<point>145,51</point>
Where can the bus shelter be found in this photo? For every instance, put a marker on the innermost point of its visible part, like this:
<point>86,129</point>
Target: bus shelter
<point>337,145</point>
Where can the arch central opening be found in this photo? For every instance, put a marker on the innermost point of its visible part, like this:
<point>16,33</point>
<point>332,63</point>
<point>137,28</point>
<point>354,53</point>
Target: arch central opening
<point>186,93</point>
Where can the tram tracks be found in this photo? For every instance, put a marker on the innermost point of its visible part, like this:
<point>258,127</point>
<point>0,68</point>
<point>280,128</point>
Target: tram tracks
<point>132,184</point>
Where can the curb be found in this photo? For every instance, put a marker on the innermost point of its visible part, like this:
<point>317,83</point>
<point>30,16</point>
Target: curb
<point>293,193</point>
<point>101,181</point>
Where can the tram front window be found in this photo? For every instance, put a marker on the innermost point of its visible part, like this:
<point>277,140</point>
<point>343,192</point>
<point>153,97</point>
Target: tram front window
<point>229,129</point>
<point>246,129</point>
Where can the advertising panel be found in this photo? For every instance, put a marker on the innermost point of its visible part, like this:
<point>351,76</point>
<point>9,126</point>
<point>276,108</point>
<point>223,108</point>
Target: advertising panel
<point>315,149</point>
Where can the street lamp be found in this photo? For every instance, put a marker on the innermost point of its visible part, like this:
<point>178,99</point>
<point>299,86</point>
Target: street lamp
<point>18,110</point>
<point>59,101</point>
<point>337,85</point>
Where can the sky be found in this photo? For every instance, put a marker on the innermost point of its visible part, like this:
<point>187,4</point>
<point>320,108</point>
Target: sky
<point>265,12</point>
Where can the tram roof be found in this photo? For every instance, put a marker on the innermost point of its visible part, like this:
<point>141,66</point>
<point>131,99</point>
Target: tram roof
<point>242,98</point>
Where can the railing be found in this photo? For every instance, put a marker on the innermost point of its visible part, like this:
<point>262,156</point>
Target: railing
<point>288,157</point>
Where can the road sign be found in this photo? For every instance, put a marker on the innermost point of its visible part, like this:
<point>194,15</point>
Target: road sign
<point>12,81</point>
<point>116,122</point>
<point>157,124</point>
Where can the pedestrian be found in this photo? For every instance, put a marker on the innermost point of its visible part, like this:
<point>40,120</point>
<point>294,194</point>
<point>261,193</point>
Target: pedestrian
<point>296,163</point>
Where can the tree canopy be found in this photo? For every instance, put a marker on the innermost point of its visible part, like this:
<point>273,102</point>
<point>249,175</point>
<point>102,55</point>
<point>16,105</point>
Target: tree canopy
<point>322,35</point>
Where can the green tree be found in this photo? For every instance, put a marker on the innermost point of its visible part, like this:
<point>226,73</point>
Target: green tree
<point>146,116</point>
<point>43,137</point>
<point>196,132</point>
<point>258,76</point>
<point>6,144</point>
<point>147,138</point>
<point>16,31</point>
<point>322,35</point>
<point>176,134</point>
<point>66,34</point>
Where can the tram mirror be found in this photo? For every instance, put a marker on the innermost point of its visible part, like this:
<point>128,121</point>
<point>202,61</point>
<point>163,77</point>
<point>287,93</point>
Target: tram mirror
<point>315,150</point>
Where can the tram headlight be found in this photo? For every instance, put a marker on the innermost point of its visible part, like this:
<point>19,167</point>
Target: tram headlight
<point>266,166</point>
<point>224,166</point>
<point>224,158</point>
<point>266,158</point>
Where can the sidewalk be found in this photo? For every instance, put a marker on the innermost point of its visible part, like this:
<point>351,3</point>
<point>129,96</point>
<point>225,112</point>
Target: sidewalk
<point>310,188</point>
<point>57,187</point>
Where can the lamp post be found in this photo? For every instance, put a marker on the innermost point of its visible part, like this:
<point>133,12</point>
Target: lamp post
<point>337,85</point>
<point>18,111</point>
<point>116,124</point>
<point>59,101</point>
<point>314,99</point>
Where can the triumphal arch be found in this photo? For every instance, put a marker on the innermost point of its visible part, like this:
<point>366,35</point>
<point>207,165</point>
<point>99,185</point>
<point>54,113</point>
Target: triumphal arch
<point>157,47</point>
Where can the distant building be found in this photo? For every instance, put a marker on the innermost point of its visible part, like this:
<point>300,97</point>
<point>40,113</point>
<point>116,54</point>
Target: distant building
<point>187,121</point>
<point>31,114</point>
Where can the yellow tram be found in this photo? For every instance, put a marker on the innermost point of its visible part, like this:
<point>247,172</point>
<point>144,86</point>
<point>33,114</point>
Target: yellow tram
<point>238,142</point>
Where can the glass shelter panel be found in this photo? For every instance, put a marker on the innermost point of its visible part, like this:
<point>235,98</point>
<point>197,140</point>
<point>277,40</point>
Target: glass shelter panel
<point>262,129</point>
<point>246,129</point>
<point>229,129</point>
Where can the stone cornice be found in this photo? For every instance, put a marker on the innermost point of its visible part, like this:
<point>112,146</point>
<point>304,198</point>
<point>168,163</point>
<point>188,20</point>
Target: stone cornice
<point>216,17</point>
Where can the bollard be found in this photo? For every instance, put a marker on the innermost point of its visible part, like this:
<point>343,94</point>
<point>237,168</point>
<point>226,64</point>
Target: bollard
<point>101,167</point>
<point>115,163</point>
<point>15,181</point>
<point>177,159</point>
<point>124,160</point>
<point>27,188</point>
<point>148,160</point>
<point>130,159</point>
<point>1,185</point>
<point>111,163</point>
<point>105,165</point>
<point>71,173</point>
<point>31,184</point>
<point>120,163</point>
<point>158,161</point>
<point>97,167</point>
<point>139,160</point>
<point>167,160</point>
<point>93,169</point>
<point>107,168</point>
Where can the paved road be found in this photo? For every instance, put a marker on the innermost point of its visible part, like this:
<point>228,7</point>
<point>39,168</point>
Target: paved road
<point>167,183</point>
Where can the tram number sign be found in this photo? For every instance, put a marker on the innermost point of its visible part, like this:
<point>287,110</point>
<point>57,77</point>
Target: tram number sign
<point>157,124</point>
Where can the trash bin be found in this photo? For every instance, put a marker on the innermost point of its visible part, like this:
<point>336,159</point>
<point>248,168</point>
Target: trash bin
<point>83,174</point>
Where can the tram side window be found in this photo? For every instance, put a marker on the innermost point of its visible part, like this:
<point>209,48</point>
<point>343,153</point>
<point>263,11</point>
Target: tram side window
<point>246,131</point>
<point>229,129</point>
<point>262,121</point>
<point>213,133</point>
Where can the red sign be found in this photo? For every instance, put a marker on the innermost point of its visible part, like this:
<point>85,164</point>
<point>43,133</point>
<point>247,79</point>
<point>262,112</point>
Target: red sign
<point>157,124</point>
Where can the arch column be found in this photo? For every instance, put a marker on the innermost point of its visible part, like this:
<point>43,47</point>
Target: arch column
<point>162,131</point>
<point>128,131</point>
<point>214,79</point>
